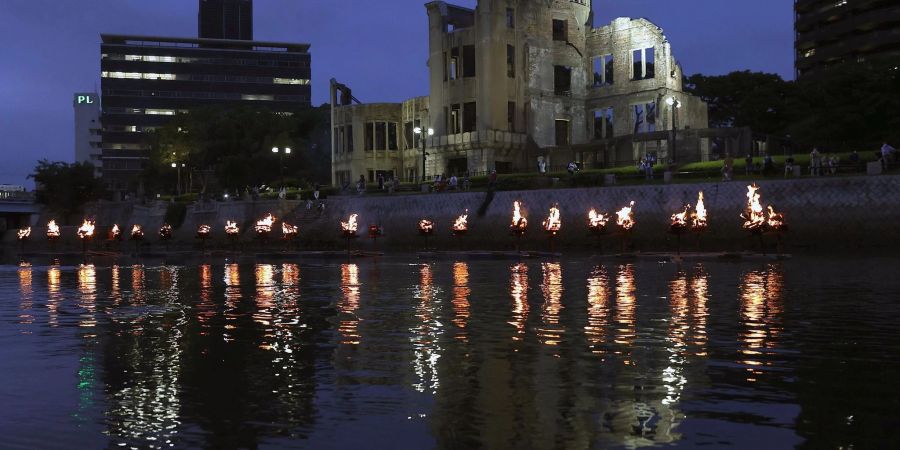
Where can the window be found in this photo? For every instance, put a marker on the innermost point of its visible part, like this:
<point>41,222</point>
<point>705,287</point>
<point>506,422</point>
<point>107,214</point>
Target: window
<point>454,63</point>
<point>408,134</point>
<point>510,18</point>
<point>380,135</point>
<point>603,70</point>
<point>339,139</point>
<point>454,125</point>
<point>510,61</point>
<point>560,30</point>
<point>644,117</point>
<point>643,64</point>
<point>603,123</point>
<point>416,137</point>
<point>370,136</point>
<point>511,116</point>
<point>468,61</point>
<point>562,80</point>
<point>349,136</point>
<point>392,136</point>
<point>469,117</point>
<point>562,132</point>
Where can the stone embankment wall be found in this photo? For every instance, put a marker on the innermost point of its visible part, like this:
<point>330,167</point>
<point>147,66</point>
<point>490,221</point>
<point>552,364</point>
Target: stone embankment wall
<point>823,214</point>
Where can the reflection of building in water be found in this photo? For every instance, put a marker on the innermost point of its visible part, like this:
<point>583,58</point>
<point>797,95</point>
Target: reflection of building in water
<point>426,334</point>
<point>26,298</point>
<point>87,361</point>
<point>518,289</point>
<point>598,310</point>
<point>460,300</point>
<point>761,311</point>
<point>552,288</point>
<point>348,305</point>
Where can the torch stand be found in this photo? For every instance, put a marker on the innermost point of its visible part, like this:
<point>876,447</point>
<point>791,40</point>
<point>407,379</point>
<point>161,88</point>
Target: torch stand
<point>626,240</point>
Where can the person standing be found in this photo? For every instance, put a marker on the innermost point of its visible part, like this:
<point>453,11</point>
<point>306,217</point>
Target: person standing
<point>380,181</point>
<point>492,180</point>
<point>886,152</point>
<point>453,182</point>
<point>748,164</point>
<point>316,191</point>
<point>815,162</point>
<point>361,185</point>
<point>728,167</point>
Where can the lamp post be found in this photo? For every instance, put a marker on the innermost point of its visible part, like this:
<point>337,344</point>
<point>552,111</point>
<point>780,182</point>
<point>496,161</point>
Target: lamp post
<point>676,105</point>
<point>178,185</point>
<point>423,132</point>
<point>281,153</point>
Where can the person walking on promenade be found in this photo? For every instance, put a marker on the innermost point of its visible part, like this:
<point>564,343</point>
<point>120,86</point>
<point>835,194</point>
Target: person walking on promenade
<point>886,152</point>
<point>361,185</point>
<point>748,164</point>
<point>466,182</point>
<point>451,185</point>
<point>380,181</point>
<point>789,166</point>
<point>492,180</point>
<point>768,165</point>
<point>728,167</point>
<point>815,162</point>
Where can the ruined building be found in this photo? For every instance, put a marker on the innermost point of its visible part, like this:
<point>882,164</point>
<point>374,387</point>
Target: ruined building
<point>515,82</point>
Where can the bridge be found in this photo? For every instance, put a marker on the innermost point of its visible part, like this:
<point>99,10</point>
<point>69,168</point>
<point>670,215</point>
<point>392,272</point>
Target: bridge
<point>16,208</point>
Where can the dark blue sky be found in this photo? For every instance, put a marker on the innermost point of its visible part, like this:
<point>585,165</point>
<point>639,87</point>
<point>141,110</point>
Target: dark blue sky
<point>51,50</point>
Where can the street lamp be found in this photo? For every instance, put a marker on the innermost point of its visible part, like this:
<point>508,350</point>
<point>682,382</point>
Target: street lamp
<point>281,153</point>
<point>676,105</point>
<point>178,168</point>
<point>420,131</point>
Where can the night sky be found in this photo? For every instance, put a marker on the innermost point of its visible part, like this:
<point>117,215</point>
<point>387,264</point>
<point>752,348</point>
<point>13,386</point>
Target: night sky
<point>51,50</point>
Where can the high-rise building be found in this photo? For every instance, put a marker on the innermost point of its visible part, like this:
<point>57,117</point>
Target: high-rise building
<point>88,130</point>
<point>830,32</point>
<point>518,85</point>
<point>225,19</point>
<point>147,80</point>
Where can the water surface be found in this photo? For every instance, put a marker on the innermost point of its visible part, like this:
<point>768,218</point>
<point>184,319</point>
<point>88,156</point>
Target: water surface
<point>399,353</point>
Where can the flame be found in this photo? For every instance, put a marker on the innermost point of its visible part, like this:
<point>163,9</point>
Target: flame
<point>350,226</point>
<point>597,221</point>
<point>115,232</point>
<point>775,220</point>
<point>680,220</point>
<point>288,230</point>
<point>519,222</point>
<point>231,228</point>
<point>86,230</point>
<point>461,225</point>
<point>553,223</point>
<point>754,218</point>
<point>137,232</point>
<point>203,231</point>
<point>53,230</point>
<point>426,227</point>
<point>625,217</point>
<point>264,226</point>
<point>165,231</point>
<point>698,217</point>
<point>23,233</point>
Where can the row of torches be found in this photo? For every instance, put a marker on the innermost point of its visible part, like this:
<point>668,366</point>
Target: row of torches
<point>757,220</point>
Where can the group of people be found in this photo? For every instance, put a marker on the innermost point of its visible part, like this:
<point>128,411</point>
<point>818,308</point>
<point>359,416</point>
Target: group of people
<point>442,183</point>
<point>646,166</point>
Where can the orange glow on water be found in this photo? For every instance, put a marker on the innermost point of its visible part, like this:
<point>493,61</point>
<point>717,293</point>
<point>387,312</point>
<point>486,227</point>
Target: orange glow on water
<point>348,326</point>
<point>625,323</point>
<point>761,310</point>
<point>552,289</point>
<point>518,289</point>
<point>598,310</point>
<point>460,300</point>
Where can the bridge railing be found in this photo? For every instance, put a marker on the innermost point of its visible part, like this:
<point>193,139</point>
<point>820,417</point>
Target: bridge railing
<point>16,196</point>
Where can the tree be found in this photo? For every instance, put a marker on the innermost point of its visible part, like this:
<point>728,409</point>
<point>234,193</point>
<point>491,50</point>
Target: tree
<point>744,99</point>
<point>231,147</point>
<point>65,188</point>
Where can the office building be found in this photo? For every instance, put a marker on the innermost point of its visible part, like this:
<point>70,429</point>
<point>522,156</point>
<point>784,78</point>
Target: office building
<point>225,19</point>
<point>830,32</point>
<point>88,130</point>
<point>146,80</point>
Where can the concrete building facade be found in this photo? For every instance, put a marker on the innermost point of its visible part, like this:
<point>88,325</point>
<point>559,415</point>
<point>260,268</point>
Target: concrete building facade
<point>830,32</point>
<point>515,82</point>
<point>88,129</point>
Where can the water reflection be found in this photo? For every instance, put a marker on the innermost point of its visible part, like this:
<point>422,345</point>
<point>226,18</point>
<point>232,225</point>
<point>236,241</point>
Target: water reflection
<point>206,309</point>
<point>761,311</point>
<point>26,316</point>
<point>348,326</point>
<point>232,300</point>
<point>518,288</point>
<point>54,296</point>
<point>265,296</point>
<point>87,287</point>
<point>460,300</point>
<point>551,332</point>
<point>598,310</point>
<point>137,284</point>
<point>425,336</point>
<point>626,325</point>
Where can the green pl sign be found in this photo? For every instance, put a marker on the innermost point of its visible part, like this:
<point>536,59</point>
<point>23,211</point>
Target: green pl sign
<point>85,99</point>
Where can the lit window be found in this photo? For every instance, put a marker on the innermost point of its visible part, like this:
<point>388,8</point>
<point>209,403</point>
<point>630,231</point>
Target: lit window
<point>160,112</point>
<point>268,98</point>
<point>809,53</point>
<point>300,81</point>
